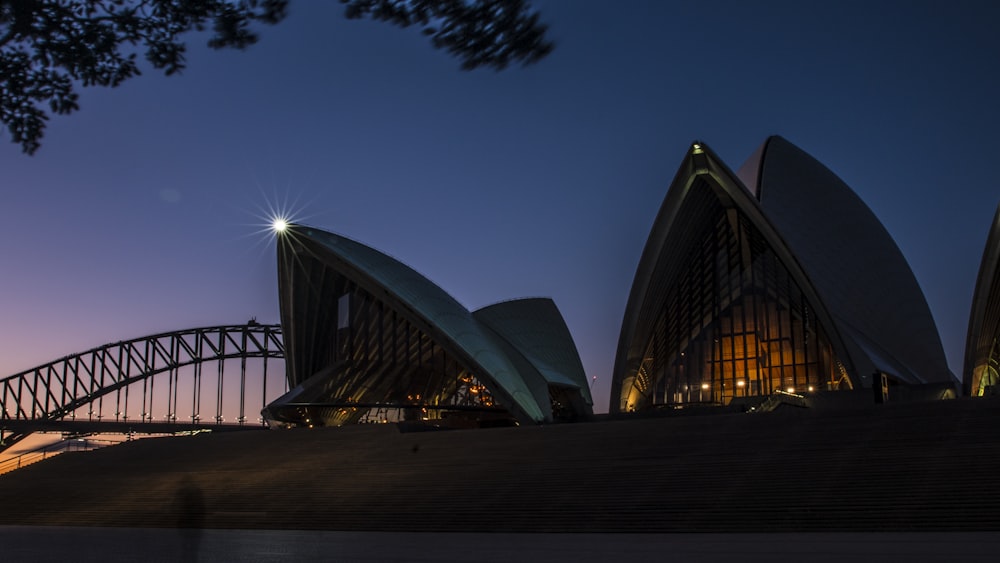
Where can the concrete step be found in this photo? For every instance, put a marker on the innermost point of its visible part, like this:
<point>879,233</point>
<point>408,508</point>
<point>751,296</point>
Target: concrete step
<point>895,467</point>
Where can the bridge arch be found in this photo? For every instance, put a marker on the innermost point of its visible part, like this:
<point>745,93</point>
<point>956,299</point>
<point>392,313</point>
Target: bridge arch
<point>58,389</point>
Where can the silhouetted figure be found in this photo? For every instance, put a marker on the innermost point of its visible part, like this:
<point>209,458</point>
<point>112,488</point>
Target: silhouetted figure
<point>190,509</point>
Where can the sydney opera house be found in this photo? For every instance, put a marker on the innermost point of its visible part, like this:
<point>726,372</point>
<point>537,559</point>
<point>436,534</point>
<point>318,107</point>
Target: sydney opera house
<point>776,281</point>
<point>368,339</point>
<point>773,288</point>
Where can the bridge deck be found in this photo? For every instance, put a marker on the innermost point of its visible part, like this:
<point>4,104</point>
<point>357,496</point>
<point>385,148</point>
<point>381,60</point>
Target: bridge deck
<point>112,427</point>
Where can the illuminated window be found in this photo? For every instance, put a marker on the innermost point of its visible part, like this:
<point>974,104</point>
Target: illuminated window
<point>731,323</point>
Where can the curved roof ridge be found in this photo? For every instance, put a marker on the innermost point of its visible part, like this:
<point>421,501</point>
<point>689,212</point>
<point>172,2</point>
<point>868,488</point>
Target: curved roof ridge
<point>514,300</point>
<point>441,312</point>
<point>859,271</point>
<point>538,331</point>
<point>749,171</point>
<point>985,308</point>
<point>382,252</point>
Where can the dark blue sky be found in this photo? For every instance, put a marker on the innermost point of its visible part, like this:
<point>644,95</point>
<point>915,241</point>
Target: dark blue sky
<point>141,213</point>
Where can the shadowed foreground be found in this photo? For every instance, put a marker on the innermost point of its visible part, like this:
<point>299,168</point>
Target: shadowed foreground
<point>87,545</point>
<point>915,467</point>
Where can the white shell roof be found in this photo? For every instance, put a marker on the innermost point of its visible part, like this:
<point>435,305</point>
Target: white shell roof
<point>852,261</point>
<point>538,331</point>
<point>435,306</point>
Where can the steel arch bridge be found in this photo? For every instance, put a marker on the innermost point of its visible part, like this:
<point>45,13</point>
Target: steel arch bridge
<point>59,390</point>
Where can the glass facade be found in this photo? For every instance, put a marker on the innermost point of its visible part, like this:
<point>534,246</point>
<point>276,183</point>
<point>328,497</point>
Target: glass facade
<point>987,375</point>
<point>368,339</point>
<point>731,323</point>
<point>383,368</point>
<point>982,358</point>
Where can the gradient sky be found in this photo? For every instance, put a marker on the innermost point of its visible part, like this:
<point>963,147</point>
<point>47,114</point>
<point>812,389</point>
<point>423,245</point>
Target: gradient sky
<point>143,212</point>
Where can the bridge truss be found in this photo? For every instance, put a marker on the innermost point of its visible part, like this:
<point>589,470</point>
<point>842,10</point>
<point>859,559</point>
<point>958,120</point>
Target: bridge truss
<point>144,378</point>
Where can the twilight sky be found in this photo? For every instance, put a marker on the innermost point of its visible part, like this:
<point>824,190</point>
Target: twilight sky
<point>143,212</point>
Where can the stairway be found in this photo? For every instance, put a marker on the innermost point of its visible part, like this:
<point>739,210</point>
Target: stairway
<point>894,467</point>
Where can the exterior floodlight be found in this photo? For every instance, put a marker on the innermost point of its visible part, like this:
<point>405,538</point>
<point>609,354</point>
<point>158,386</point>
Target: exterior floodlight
<point>279,225</point>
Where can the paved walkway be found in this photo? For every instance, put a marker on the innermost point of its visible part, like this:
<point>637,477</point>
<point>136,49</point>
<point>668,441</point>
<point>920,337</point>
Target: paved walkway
<point>44,544</point>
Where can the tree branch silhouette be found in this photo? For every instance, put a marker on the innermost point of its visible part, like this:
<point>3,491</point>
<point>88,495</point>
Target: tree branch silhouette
<point>49,47</point>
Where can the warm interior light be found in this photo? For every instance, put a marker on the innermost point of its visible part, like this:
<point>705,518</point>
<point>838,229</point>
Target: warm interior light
<point>704,385</point>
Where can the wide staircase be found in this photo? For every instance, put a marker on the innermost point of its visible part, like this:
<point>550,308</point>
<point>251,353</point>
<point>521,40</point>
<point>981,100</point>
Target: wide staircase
<point>894,467</point>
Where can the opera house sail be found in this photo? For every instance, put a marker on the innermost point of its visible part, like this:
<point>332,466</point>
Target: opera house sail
<point>982,353</point>
<point>754,283</point>
<point>368,339</point>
